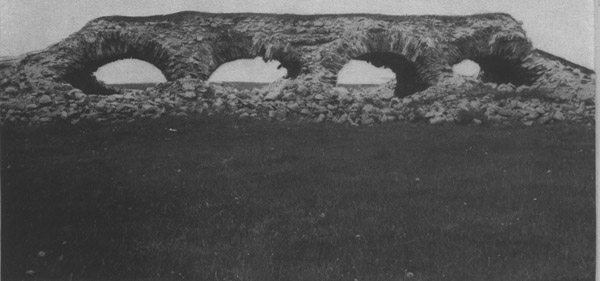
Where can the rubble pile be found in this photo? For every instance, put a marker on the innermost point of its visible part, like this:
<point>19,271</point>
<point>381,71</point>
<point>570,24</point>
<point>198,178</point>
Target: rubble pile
<point>459,101</point>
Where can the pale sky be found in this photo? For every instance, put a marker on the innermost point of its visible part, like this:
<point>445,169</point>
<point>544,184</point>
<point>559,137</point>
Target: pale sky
<point>563,28</point>
<point>362,72</point>
<point>352,73</point>
<point>129,71</point>
<point>243,70</point>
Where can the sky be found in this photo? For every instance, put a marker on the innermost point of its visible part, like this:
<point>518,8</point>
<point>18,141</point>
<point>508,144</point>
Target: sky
<point>243,70</point>
<point>563,28</point>
<point>246,69</point>
<point>127,71</point>
<point>352,73</point>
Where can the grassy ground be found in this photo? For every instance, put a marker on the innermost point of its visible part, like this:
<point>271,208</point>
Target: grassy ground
<point>212,198</point>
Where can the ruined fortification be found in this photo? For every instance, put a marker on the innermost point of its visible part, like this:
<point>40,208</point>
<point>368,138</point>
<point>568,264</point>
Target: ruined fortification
<point>313,48</point>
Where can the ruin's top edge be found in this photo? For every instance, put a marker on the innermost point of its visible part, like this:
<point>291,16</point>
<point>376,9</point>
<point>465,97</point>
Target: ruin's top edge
<point>188,14</point>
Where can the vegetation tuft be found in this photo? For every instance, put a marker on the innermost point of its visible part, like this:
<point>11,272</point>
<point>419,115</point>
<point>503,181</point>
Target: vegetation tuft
<point>215,198</point>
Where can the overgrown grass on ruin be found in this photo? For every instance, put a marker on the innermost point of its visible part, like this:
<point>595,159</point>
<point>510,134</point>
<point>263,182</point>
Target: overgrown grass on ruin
<point>213,198</point>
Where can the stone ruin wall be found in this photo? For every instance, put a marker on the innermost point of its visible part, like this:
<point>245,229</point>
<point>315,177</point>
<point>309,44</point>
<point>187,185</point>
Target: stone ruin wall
<point>313,48</point>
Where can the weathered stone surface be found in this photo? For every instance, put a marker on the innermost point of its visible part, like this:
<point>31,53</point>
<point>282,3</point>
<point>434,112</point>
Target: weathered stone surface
<point>273,95</point>
<point>45,100</point>
<point>302,90</point>
<point>75,94</point>
<point>522,88</point>
<point>189,95</point>
<point>10,90</point>
<point>559,116</point>
<point>506,87</point>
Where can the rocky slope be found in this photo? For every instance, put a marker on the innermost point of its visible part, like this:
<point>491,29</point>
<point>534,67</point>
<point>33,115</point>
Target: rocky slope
<point>286,99</point>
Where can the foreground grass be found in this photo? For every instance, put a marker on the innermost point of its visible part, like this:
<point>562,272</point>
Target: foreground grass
<point>222,199</point>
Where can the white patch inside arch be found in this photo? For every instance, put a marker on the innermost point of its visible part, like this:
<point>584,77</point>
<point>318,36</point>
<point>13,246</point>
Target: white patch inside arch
<point>248,70</point>
<point>362,72</point>
<point>466,68</point>
<point>129,71</point>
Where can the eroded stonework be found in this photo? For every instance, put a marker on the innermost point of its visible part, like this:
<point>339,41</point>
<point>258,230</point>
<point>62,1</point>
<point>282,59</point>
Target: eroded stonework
<point>421,50</point>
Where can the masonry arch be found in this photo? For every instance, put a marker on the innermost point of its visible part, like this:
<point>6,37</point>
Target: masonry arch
<point>408,78</point>
<point>232,46</point>
<point>501,58</point>
<point>412,59</point>
<point>93,53</point>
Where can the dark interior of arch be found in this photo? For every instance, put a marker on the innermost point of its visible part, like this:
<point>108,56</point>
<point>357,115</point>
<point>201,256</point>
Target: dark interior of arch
<point>293,67</point>
<point>288,60</point>
<point>501,70</point>
<point>107,49</point>
<point>408,80</point>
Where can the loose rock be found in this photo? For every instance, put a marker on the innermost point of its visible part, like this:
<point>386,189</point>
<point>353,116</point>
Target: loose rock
<point>45,100</point>
<point>11,90</point>
<point>273,96</point>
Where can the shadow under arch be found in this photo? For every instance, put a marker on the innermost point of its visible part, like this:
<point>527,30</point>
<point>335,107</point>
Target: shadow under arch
<point>92,53</point>
<point>408,80</point>
<point>501,70</point>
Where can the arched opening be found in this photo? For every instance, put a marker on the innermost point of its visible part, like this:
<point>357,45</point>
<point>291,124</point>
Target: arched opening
<point>129,74</point>
<point>249,73</point>
<point>408,80</point>
<point>358,73</point>
<point>501,57</point>
<point>91,53</point>
<point>501,70</point>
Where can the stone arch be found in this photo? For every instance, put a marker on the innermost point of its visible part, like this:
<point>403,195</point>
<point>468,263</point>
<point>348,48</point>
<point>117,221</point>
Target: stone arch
<point>412,59</point>
<point>94,52</point>
<point>230,47</point>
<point>408,80</point>
<point>502,57</point>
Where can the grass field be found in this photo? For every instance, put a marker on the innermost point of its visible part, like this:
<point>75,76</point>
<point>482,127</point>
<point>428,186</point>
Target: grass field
<point>214,198</point>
